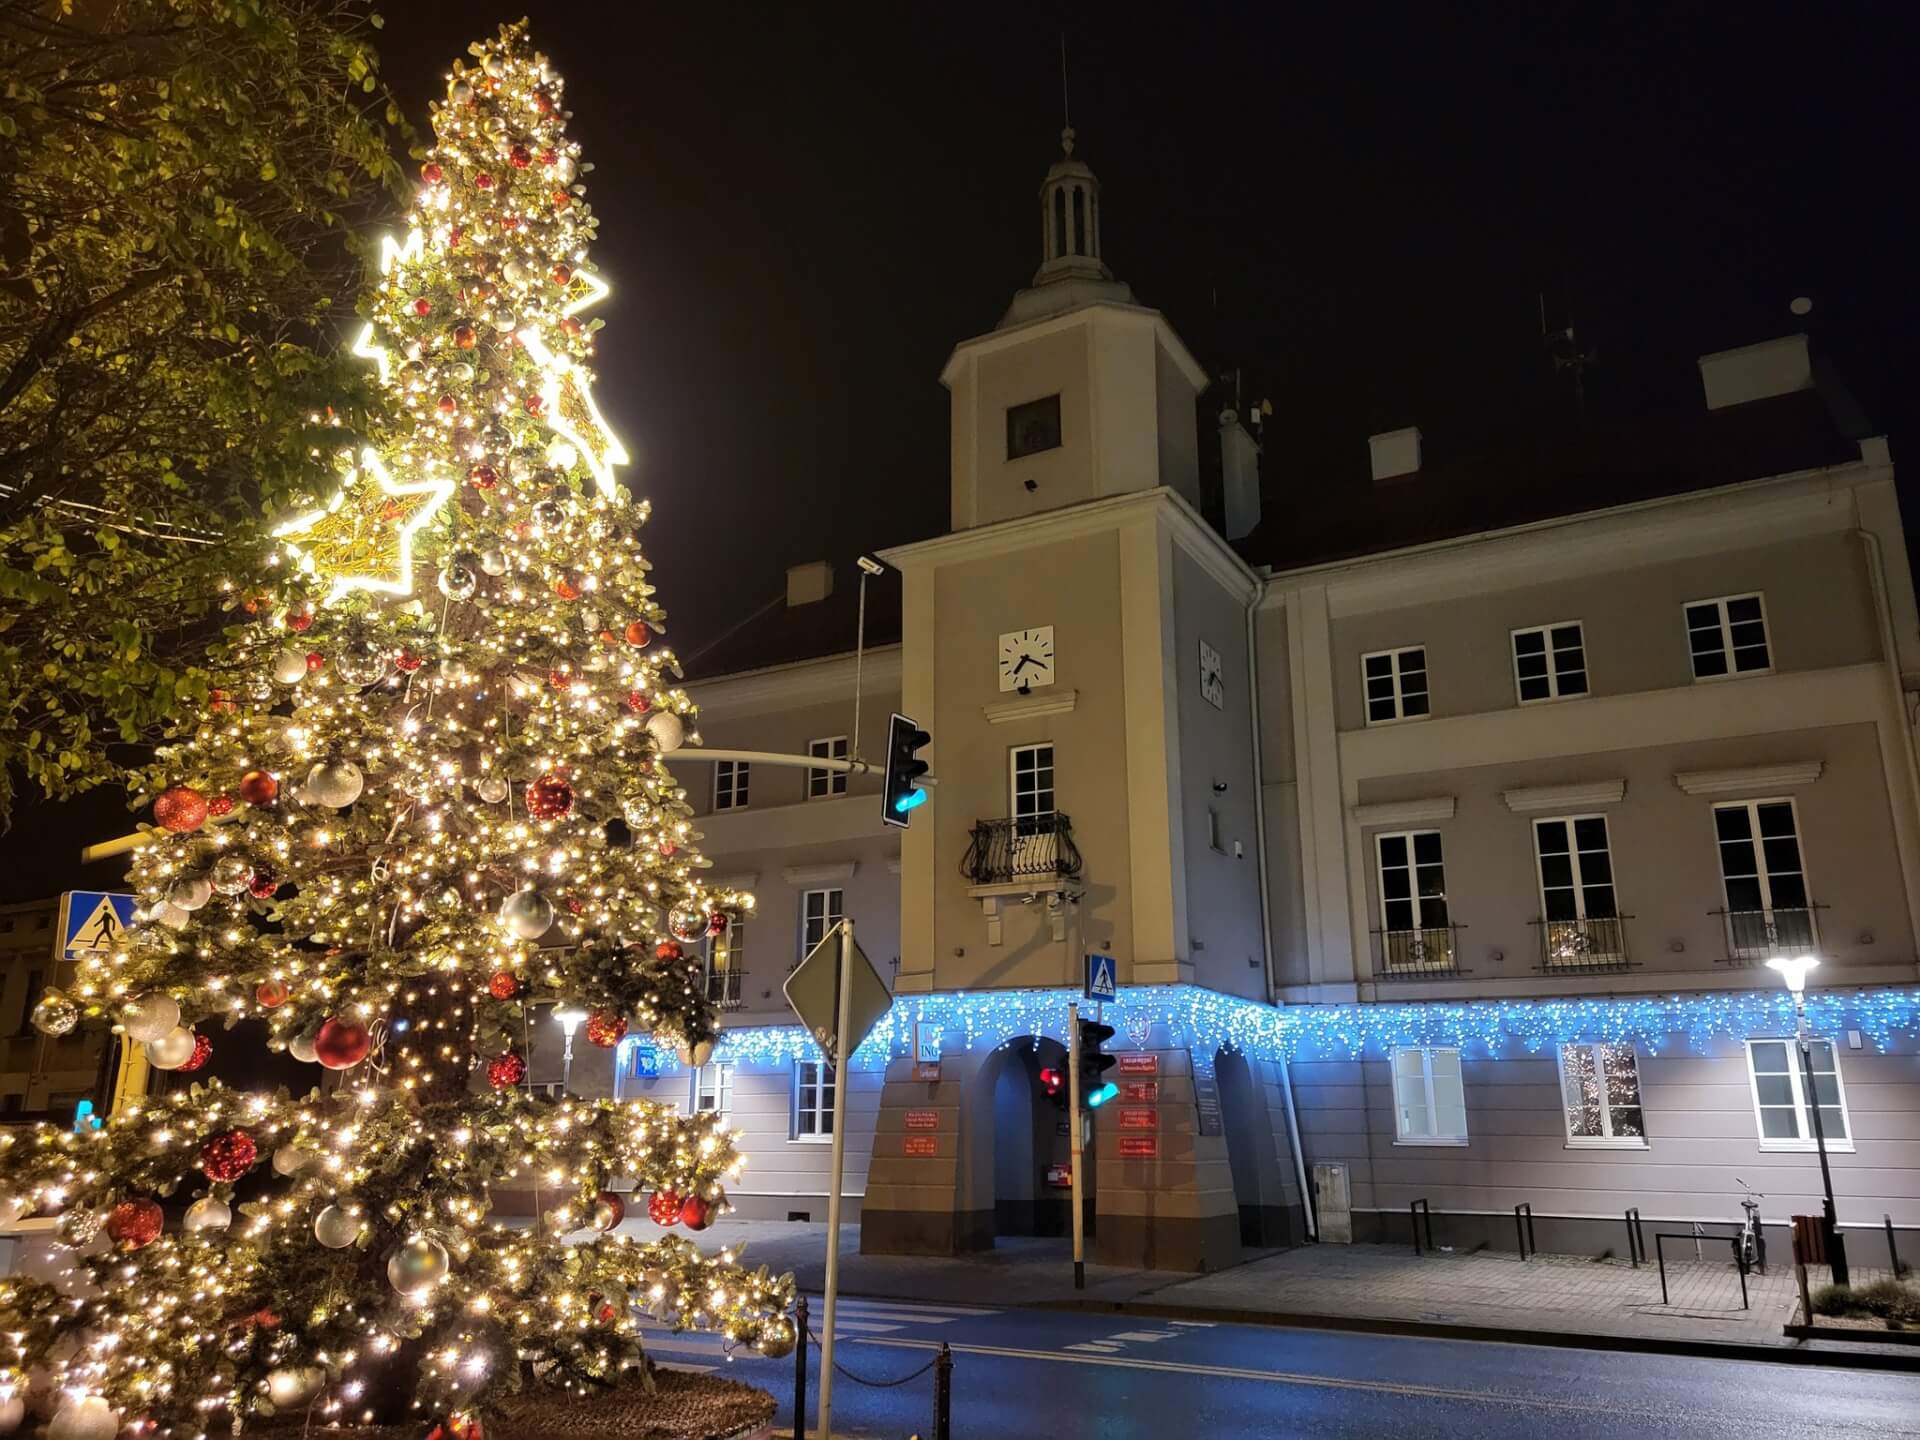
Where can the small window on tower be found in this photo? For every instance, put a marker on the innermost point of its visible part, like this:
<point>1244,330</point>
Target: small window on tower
<point>1033,427</point>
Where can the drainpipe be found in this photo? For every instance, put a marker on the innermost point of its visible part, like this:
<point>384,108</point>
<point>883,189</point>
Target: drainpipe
<point>1266,904</point>
<point>1883,611</point>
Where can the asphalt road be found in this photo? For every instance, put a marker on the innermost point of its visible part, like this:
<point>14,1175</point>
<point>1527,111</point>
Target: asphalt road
<point>1024,1373</point>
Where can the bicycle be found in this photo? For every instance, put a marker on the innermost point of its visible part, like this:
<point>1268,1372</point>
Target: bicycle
<point>1751,1245</point>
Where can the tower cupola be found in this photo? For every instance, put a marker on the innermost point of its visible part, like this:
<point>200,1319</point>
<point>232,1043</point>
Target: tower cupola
<point>1070,220</point>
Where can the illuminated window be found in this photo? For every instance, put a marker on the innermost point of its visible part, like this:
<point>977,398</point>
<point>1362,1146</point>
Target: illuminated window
<point>1600,1093</point>
<point>713,1087</point>
<point>813,1083</point>
<point>1779,1080</point>
<point>1429,1100</point>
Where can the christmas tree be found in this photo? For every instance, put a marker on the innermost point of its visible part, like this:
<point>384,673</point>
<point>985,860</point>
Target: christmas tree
<point>428,798</point>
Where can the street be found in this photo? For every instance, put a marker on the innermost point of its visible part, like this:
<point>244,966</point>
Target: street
<point>1035,1372</point>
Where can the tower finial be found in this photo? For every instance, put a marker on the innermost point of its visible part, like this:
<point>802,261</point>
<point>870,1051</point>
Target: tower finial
<point>1066,109</point>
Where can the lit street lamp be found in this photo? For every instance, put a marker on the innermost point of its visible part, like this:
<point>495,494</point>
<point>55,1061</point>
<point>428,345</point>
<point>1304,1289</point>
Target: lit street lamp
<point>1794,972</point>
<point>570,1022</point>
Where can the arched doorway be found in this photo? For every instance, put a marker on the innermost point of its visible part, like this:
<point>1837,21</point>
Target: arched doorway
<point>1027,1144</point>
<point>1250,1147</point>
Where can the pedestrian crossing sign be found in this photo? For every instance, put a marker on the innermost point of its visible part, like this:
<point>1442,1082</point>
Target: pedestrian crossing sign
<point>93,922</point>
<point>1103,978</point>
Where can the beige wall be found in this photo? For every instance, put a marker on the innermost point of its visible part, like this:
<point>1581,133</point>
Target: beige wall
<point>786,731</point>
<point>987,485</point>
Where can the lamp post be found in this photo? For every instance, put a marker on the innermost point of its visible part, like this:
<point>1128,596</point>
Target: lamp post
<point>569,1022</point>
<point>1794,971</point>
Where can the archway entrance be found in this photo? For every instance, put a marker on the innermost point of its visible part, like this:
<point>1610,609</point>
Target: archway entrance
<point>1250,1148</point>
<point>1031,1146</point>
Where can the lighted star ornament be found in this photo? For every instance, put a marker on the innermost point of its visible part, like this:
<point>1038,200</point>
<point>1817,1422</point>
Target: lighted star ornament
<point>568,406</point>
<point>363,538</point>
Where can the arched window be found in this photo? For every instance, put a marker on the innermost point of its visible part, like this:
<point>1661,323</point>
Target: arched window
<point>1059,223</point>
<point>1079,220</point>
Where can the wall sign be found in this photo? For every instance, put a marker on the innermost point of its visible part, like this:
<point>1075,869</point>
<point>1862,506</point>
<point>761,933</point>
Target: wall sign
<point>1139,1064</point>
<point>1206,1100</point>
<point>922,1145</point>
<point>1139,1147</point>
<point>923,1119</point>
<point>1139,1119</point>
<point>1140,1092</point>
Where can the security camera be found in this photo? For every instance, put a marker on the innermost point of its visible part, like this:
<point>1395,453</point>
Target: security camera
<point>871,565</point>
<point>1032,485</point>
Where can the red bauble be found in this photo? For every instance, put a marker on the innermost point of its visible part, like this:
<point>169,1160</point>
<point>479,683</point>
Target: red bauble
<point>566,588</point>
<point>423,306</point>
<point>300,621</point>
<point>218,700</point>
<point>271,994</point>
<point>520,157</point>
<point>228,1155</point>
<point>615,1204</point>
<point>257,787</point>
<point>463,336</point>
<point>181,809</point>
<point>483,477</point>
<point>639,634</point>
<point>504,985</point>
<point>263,885</point>
<point>202,1048</point>
<point>605,1030</point>
<point>135,1224</point>
<point>570,325</point>
<point>341,1044</point>
<point>717,923</point>
<point>668,950</point>
<point>561,200</point>
<point>558,678</point>
<point>448,405</point>
<point>547,157</point>
<point>406,661</point>
<point>638,702</point>
<point>663,1207</point>
<point>562,274</point>
<point>696,1214</point>
<point>506,1071</point>
<point>316,662</point>
<point>432,173</point>
<point>534,403</point>
<point>550,797</point>
<point>220,805</point>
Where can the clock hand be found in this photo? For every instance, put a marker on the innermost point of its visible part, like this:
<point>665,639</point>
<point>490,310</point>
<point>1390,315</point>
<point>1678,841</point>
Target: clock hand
<point>1025,660</point>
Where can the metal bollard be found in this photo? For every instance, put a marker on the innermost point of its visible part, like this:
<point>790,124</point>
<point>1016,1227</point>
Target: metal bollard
<point>943,1394</point>
<point>800,1370</point>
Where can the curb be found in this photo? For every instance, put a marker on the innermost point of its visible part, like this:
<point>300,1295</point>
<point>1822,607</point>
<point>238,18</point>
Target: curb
<point>1556,1339</point>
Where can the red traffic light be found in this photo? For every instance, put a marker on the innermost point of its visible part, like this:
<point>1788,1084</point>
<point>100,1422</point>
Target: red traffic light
<point>1053,1081</point>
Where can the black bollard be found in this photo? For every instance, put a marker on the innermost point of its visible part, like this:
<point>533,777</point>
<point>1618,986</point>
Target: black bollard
<point>800,1370</point>
<point>943,1394</point>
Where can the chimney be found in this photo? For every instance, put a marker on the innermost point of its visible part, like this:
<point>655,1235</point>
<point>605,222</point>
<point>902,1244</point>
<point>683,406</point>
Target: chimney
<point>809,583</point>
<point>1395,453</point>
<point>1756,372</point>
<point>1239,476</point>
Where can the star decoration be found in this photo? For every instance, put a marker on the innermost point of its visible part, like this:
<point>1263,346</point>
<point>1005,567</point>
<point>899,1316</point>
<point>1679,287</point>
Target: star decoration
<point>566,393</point>
<point>393,254</point>
<point>363,538</point>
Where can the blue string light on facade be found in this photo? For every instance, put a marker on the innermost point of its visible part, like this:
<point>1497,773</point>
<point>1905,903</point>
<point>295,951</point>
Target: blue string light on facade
<point>1187,1017</point>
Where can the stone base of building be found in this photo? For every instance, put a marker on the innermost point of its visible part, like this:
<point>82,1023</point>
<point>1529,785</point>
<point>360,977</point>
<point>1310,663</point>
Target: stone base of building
<point>925,1232</point>
<point>1174,1242</point>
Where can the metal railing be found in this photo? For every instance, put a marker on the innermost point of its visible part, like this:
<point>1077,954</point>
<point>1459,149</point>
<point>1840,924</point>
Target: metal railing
<point>1594,943</point>
<point>1433,950</point>
<point>1028,847</point>
<point>1757,936</point>
<point>723,989</point>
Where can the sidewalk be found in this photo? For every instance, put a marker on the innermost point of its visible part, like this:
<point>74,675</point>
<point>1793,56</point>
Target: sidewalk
<point>1387,1287</point>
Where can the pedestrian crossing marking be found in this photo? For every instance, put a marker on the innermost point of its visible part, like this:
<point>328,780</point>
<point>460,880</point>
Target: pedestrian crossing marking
<point>1194,1324</point>
<point>1096,1346</point>
<point>1145,1336</point>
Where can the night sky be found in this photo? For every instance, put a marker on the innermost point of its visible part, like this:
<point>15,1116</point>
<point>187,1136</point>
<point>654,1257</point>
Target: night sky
<point>803,207</point>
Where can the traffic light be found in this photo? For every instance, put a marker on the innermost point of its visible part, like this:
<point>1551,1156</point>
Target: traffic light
<point>1053,1082</point>
<point>1095,1091</point>
<point>901,794</point>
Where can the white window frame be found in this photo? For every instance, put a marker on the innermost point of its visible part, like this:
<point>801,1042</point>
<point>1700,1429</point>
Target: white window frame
<point>1803,1117</point>
<point>1606,1139</point>
<point>731,945</point>
<point>1761,872</point>
<point>825,784</point>
<point>1580,882</point>
<point>731,784</point>
<point>715,1079</point>
<point>1545,632</point>
<point>833,909</point>
<point>822,1085</point>
<point>1426,1054</point>
<point>1051,791</point>
<point>1399,716</point>
<point>1413,896</point>
<point>1720,602</point>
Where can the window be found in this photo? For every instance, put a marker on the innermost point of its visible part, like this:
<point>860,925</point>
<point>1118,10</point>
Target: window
<point>1032,767</point>
<point>727,960</point>
<point>1780,1094</point>
<point>713,1087</point>
<point>730,784</point>
<point>820,911</point>
<point>1600,1091</point>
<point>1765,878</point>
<point>823,783</point>
<point>1727,637</point>
<point>1577,904</point>
<point>813,1083</point>
<point>1413,881</point>
<point>1550,662</point>
<point>1033,427</point>
<point>1429,1102</point>
<point>1396,682</point>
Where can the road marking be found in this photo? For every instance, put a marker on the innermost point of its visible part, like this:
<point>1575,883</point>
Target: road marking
<point>1097,1346</point>
<point>1282,1377</point>
<point>1194,1324</point>
<point>851,1303</point>
<point>1145,1336</point>
<point>848,1327</point>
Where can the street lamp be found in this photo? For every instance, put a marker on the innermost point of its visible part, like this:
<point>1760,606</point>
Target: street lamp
<point>570,1022</point>
<point>1794,970</point>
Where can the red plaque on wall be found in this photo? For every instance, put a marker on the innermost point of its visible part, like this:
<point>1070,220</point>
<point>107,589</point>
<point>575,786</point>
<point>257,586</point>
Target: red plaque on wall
<point>920,1145</point>
<point>1138,1119</point>
<point>1141,1092</point>
<point>1139,1147</point>
<point>1139,1064</point>
<point>923,1119</point>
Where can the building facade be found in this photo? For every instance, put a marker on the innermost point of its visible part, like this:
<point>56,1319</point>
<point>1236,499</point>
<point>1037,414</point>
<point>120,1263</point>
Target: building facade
<point>1439,827</point>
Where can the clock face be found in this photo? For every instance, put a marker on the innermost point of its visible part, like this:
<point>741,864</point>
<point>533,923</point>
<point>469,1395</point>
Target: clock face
<point>1212,688</point>
<point>1026,659</point>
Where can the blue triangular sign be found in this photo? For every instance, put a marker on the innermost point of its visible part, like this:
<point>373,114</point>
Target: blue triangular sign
<point>1100,978</point>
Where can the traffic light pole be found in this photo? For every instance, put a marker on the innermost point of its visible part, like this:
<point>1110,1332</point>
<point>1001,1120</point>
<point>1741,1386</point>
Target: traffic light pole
<point>843,995</point>
<point>1075,1123</point>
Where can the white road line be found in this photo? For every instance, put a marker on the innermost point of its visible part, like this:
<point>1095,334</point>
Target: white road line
<point>1097,1347</point>
<point>851,1327</point>
<point>1282,1377</point>
<point>1194,1324</point>
<point>849,1302</point>
<point>1145,1336</point>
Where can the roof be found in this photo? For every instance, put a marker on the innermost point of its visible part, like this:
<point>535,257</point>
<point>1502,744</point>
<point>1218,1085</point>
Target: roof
<point>780,634</point>
<point>1546,476</point>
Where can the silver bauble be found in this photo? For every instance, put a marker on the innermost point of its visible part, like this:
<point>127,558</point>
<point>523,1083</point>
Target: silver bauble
<point>493,562</point>
<point>491,788</point>
<point>636,812</point>
<point>527,914</point>
<point>461,92</point>
<point>495,67</point>
<point>562,455</point>
<point>78,1227</point>
<point>463,372</point>
<point>301,1048</point>
<point>290,667</point>
<point>335,783</point>
<point>171,1050</point>
<point>336,1228</point>
<point>291,1386</point>
<point>504,320</point>
<point>169,915</point>
<point>685,924</point>
<point>549,514</point>
<point>149,1016</point>
<point>230,874</point>
<point>777,1338</point>
<point>419,1263</point>
<point>207,1214</point>
<point>291,1159</point>
<point>360,665</point>
<point>190,892</point>
<point>55,1014</point>
<point>667,729</point>
<point>457,582</point>
<point>514,271</point>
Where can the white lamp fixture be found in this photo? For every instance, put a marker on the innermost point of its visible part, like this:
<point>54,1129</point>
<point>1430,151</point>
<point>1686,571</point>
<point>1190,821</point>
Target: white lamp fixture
<point>570,1019</point>
<point>1793,969</point>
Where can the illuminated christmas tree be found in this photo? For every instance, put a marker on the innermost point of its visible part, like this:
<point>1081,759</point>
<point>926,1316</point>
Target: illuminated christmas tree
<point>430,800</point>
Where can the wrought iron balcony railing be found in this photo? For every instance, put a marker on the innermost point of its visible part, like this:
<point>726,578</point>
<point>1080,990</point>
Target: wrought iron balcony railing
<point>1757,936</point>
<point>1027,848</point>
<point>723,989</point>
<point>1598,942</point>
<point>1433,950</point>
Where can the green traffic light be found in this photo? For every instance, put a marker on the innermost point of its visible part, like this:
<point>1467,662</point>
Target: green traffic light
<point>1101,1095</point>
<point>912,800</point>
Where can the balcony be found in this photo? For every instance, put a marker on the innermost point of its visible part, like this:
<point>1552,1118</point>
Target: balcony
<point>1419,954</point>
<point>1026,858</point>
<point>723,989</point>
<point>1584,946</point>
<point>1757,936</point>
